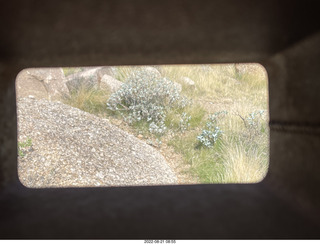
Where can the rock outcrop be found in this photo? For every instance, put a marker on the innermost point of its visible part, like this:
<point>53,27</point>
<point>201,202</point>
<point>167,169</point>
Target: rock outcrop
<point>74,148</point>
<point>40,83</point>
<point>90,77</point>
<point>109,83</point>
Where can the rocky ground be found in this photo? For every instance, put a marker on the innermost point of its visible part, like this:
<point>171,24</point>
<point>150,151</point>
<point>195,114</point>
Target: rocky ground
<point>70,147</point>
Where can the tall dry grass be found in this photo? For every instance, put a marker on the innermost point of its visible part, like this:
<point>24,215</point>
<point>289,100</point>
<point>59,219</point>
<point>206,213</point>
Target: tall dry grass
<point>90,100</point>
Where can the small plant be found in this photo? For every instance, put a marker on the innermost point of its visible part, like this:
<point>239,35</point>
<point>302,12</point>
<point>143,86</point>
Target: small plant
<point>24,146</point>
<point>157,129</point>
<point>184,122</point>
<point>210,135</point>
<point>255,124</point>
<point>147,96</point>
<point>254,117</point>
<point>213,118</point>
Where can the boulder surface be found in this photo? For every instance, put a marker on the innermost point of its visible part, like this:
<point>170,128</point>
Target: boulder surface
<point>40,83</point>
<point>74,148</point>
<point>90,77</point>
<point>109,83</point>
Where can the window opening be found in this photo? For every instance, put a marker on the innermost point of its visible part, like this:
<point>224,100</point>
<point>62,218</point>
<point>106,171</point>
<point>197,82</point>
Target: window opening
<point>142,125</point>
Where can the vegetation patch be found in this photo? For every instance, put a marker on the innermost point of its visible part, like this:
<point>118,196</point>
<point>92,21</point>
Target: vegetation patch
<point>89,99</point>
<point>24,147</point>
<point>219,127</point>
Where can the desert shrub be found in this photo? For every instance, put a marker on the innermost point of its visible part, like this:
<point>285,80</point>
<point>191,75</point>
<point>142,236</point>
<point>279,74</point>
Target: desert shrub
<point>184,122</point>
<point>209,136</point>
<point>147,96</point>
<point>254,119</point>
<point>255,124</point>
<point>211,133</point>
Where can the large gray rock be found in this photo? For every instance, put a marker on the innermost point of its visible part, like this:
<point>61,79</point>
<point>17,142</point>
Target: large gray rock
<point>89,77</point>
<point>74,148</point>
<point>109,83</point>
<point>46,83</point>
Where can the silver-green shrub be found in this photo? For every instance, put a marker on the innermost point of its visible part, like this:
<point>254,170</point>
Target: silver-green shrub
<point>254,118</point>
<point>211,133</point>
<point>184,122</point>
<point>256,123</point>
<point>147,96</point>
<point>209,137</point>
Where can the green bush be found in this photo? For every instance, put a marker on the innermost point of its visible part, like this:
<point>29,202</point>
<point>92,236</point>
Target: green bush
<point>210,135</point>
<point>146,96</point>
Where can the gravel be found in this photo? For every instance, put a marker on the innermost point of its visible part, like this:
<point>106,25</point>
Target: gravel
<point>74,148</point>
